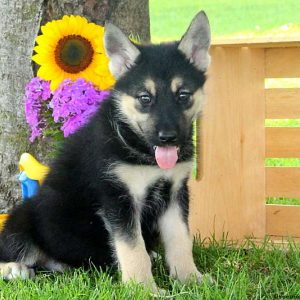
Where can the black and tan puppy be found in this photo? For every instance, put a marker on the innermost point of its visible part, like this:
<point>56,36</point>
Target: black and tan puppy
<point>119,185</point>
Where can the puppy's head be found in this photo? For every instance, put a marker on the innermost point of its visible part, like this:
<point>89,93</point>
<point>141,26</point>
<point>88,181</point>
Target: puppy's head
<point>159,88</point>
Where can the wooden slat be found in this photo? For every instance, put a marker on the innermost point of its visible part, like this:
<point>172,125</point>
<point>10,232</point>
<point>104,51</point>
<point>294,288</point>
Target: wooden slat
<point>283,182</point>
<point>281,241</point>
<point>230,195</point>
<point>282,103</point>
<point>258,42</point>
<point>282,62</point>
<point>283,220</point>
<point>283,142</point>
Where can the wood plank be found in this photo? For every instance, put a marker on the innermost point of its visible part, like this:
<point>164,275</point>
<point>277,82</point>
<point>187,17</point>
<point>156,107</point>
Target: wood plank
<point>268,242</point>
<point>282,141</point>
<point>232,148</point>
<point>282,62</point>
<point>282,103</point>
<point>281,241</point>
<point>258,42</point>
<point>283,220</point>
<point>283,182</point>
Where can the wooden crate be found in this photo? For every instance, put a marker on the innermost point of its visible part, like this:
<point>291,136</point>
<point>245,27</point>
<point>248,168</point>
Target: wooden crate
<point>229,194</point>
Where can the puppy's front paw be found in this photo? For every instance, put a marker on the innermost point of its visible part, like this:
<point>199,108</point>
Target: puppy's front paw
<point>208,278</point>
<point>159,293</point>
<point>185,274</point>
<point>203,277</point>
<point>153,288</point>
<point>13,270</point>
<point>194,275</point>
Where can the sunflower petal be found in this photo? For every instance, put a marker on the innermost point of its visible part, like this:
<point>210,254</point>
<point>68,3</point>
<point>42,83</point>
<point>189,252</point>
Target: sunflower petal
<point>73,25</point>
<point>39,59</point>
<point>44,49</point>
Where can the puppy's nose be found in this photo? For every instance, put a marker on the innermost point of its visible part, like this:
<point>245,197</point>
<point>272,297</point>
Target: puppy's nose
<point>167,136</point>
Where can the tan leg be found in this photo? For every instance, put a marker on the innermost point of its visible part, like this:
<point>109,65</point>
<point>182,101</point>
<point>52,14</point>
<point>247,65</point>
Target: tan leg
<point>134,261</point>
<point>178,245</point>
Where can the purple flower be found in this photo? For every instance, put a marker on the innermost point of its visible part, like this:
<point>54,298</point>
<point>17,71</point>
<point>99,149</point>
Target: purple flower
<point>74,103</point>
<point>37,93</point>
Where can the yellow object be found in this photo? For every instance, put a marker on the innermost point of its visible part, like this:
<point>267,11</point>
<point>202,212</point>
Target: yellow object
<point>33,169</point>
<point>3,218</point>
<point>72,48</point>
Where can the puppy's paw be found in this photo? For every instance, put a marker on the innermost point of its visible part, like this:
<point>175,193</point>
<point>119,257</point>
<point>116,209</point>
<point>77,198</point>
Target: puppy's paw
<point>185,274</point>
<point>198,277</point>
<point>191,274</point>
<point>158,293</point>
<point>152,287</point>
<point>194,275</point>
<point>208,278</point>
<point>13,270</point>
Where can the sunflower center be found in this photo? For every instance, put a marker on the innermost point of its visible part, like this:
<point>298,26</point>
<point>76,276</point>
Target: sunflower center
<point>73,53</point>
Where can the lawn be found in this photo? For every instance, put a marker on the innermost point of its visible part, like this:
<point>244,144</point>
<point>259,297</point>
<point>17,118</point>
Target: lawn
<point>248,272</point>
<point>170,18</point>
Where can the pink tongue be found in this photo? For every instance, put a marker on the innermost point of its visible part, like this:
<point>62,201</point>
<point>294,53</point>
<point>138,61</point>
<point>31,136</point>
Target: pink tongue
<point>166,157</point>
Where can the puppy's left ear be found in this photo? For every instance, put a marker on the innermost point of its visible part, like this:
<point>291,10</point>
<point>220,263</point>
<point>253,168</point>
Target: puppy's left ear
<point>195,42</point>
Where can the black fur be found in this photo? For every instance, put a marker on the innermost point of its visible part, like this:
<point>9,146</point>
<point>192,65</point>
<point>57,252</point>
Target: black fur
<point>62,219</point>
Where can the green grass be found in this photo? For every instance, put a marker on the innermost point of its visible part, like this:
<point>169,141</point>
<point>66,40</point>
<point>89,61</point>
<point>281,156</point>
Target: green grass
<point>282,162</point>
<point>170,18</point>
<point>282,122</point>
<point>249,272</point>
<point>283,201</point>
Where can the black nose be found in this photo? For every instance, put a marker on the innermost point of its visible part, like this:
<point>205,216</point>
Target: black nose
<point>167,136</point>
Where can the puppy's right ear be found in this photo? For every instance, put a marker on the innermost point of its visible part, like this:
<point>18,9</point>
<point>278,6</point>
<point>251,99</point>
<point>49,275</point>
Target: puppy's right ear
<point>121,51</point>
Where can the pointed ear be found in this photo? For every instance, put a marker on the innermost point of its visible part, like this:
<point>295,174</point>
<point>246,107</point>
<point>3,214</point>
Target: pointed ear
<point>121,52</point>
<point>196,41</point>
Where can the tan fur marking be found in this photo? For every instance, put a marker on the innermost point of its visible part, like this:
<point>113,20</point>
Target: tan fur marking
<point>198,104</point>
<point>176,84</point>
<point>139,178</point>
<point>134,261</point>
<point>128,109</point>
<point>175,232</point>
<point>150,86</point>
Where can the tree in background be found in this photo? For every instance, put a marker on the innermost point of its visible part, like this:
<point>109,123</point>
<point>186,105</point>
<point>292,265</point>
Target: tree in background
<point>20,21</point>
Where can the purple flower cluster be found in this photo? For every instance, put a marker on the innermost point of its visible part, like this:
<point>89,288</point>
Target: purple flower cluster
<point>72,105</point>
<point>37,92</point>
<point>74,102</point>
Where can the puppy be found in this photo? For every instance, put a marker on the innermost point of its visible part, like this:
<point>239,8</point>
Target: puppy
<point>119,185</point>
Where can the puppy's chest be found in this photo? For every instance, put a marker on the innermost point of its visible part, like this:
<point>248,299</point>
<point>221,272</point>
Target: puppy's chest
<point>143,180</point>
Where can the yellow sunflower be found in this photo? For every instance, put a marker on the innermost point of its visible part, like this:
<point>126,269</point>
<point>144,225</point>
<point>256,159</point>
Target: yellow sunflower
<point>72,48</point>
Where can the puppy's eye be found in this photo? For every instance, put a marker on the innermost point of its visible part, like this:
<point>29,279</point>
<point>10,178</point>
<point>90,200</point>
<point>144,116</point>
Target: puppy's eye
<point>184,96</point>
<point>145,99</point>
